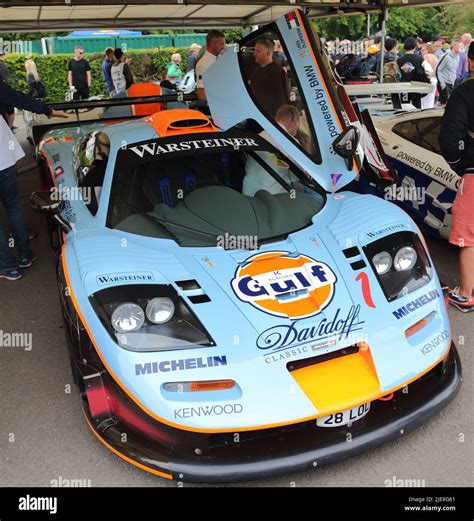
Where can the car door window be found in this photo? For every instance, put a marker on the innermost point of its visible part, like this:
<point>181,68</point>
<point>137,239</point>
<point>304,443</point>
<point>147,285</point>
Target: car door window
<point>423,132</point>
<point>275,90</point>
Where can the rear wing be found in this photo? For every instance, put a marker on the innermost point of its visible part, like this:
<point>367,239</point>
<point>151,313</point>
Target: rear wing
<point>114,109</point>
<point>395,90</point>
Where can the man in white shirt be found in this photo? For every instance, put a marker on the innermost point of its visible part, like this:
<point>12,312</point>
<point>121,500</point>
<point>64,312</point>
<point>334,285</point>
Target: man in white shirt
<point>10,153</point>
<point>215,44</point>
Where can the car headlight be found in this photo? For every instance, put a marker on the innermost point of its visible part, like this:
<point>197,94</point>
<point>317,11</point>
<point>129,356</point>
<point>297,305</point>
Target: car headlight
<point>160,310</point>
<point>127,317</point>
<point>142,317</point>
<point>405,258</point>
<point>382,262</point>
<point>400,262</point>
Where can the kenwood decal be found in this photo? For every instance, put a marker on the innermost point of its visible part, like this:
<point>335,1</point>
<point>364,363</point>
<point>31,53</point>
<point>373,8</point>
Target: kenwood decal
<point>435,342</point>
<point>179,365</point>
<point>208,410</point>
<point>415,304</point>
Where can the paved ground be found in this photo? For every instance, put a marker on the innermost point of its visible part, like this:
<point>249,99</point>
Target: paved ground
<point>43,435</point>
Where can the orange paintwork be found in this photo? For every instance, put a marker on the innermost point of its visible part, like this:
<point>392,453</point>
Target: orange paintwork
<point>133,462</point>
<point>212,385</point>
<point>166,123</point>
<point>145,89</point>
<point>337,384</point>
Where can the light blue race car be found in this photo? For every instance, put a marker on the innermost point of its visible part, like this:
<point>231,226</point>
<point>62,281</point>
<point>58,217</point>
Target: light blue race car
<point>233,310</point>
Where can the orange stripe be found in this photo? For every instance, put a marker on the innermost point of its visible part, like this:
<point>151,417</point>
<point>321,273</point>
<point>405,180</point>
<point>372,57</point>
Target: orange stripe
<point>322,78</point>
<point>196,429</point>
<point>126,458</point>
<point>50,168</point>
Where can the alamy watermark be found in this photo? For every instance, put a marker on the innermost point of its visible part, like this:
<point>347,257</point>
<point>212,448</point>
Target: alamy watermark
<point>73,193</point>
<point>405,193</point>
<point>400,482</point>
<point>21,340</point>
<point>16,46</point>
<point>61,482</point>
<point>235,242</point>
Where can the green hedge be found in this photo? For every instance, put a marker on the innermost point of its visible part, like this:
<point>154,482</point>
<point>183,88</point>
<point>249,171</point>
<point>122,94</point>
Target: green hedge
<point>147,65</point>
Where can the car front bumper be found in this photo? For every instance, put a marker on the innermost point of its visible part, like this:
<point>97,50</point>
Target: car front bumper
<point>224,457</point>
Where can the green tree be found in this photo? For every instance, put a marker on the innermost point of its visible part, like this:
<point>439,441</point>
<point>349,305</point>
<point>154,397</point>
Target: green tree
<point>458,19</point>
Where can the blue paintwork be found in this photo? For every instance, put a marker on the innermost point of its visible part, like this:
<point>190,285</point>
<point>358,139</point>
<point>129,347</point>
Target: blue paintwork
<point>267,393</point>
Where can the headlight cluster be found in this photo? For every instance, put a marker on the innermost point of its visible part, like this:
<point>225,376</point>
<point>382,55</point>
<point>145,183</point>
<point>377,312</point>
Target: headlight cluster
<point>400,262</point>
<point>405,258</point>
<point>149,318</point>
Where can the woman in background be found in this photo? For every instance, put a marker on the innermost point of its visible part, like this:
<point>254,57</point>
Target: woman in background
<point>430,62</point>
<point>36,87</point>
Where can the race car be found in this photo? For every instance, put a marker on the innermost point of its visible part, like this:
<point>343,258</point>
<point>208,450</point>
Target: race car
<point>426,186</point>
<point>231,310</point>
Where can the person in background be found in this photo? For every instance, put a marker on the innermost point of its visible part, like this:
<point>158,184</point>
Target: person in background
<point>419,44</point>
<point>411,68</point>
<point>174,72</point>
<point>446,71</point>
<point>79,74</point>
<point>8,116</point>
<point>457,147</point>
<point>192,54</point>
<point>288,117</point>
<point>3,67</point>
<point>438,49</point>
<point>463,68</point>
<point>278,54</point>
<point>120,72</point>
<point>269,82</point>
<point>390,55</point>
<point>430,62</point>
<point>10,153</point>
<point>36,87</point>
<point>107,67</point>
<point>215,44</point>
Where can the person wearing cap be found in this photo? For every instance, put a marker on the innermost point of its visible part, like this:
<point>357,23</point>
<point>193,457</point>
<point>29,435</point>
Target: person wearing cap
<point>79,74</point>
<point>191,55</point>
<point>457,147</point>
<point>10,153</point>
<point>174,72</point>
<point>122,76</point>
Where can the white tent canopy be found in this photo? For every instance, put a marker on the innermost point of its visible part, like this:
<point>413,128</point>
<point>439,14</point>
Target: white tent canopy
<point>60,15</point>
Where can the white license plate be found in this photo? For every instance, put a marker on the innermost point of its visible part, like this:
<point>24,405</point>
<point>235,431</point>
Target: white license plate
<point>344,417</point>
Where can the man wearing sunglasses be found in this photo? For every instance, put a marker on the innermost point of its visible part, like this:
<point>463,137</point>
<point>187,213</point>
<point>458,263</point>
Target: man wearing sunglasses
<point>79,74</point>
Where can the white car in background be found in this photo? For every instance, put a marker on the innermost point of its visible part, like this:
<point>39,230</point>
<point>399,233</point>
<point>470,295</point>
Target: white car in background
<point>426,186</point>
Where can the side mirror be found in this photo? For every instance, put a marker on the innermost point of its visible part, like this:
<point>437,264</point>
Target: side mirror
<point>345,145</point>
<point>47,203</point>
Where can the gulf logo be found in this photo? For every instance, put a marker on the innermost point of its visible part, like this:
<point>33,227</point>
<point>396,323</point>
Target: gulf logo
<point>287,286</point>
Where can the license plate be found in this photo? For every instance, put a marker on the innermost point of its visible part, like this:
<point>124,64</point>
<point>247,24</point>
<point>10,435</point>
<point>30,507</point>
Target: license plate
<point>344,417</point>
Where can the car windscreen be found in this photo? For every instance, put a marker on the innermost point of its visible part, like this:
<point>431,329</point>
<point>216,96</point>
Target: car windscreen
<point>197,189</point>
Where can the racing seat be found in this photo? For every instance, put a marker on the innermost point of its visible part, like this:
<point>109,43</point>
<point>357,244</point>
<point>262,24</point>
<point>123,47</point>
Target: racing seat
<point>169,185</point>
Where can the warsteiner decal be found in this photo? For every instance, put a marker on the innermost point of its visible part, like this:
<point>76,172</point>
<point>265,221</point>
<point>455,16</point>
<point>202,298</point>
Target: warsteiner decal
<point>285,286</point>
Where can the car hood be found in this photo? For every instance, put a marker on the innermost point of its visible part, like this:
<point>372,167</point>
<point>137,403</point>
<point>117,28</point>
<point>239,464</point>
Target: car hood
<point>267,310</point>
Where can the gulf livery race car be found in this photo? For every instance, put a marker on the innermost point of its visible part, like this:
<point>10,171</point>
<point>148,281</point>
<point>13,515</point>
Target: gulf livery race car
<point>426,186</point>
<point>232,312</point>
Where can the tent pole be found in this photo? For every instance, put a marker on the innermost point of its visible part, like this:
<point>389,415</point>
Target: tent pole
<point>382,42</point>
